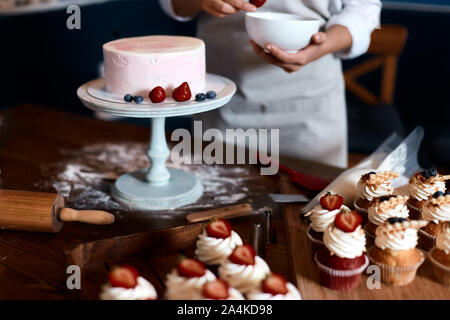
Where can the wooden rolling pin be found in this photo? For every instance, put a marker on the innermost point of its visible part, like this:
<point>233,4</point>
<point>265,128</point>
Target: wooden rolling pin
<point>42,212</point>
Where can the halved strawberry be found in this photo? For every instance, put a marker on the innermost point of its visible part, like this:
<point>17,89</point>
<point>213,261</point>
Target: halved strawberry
<point>244,255</point>
<point>157,95</point>
<point>124,277</point>
<point>216,290</point>
<point>258,3</point>
<point>182,93</point>
<point>331,201</point>
<point>347,221</point>
<point>275,284</point>
<point>191,268</point>
<point>219,228</point>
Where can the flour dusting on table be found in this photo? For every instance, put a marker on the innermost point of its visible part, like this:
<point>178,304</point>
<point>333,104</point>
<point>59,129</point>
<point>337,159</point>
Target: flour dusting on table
<point>85,178</point>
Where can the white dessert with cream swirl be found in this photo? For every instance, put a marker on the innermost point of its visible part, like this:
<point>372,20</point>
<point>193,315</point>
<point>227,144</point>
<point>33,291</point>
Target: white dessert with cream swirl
<point>421,188</point>
<point>292,294</point>
<point>233,294</point>
<point>380,211</point>
<point>321,217</point>
<point>374,185</point>
<point>398,236</point>
<point>437,210</point>
<point>443,239</point>
<point>345,244</point>
<point>182,288</point>
<point>214,251</point>
<point>244,277</point>
<point>144,290</point>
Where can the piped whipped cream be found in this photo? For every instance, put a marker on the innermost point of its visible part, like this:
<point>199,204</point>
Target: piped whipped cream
<point>373,185</point>
<point>214,251</point>
<point>398,236</point>
<point>345,244</point>
<point>233,294</point>
<point>437,209</point>
<point>443,238</point>
<point>181,288</point>
<point>421,188</point>
<point>144,290</point>
<point>292,294</point>
<point>321,217</point>
<point>243,277</point>
<point>381,209</point>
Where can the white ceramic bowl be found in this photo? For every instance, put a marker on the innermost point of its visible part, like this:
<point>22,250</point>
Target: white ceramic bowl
<point>290,32</point>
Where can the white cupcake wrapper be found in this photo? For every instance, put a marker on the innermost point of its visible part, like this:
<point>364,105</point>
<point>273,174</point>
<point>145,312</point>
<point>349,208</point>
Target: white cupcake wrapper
<point>396,275</point>
<point>441,272</point>
<point>341,273</point>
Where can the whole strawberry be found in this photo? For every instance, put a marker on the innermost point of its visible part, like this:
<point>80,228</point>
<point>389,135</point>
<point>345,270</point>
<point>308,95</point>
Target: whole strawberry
<point>157,95</point>
<point>182,93</point>
<point>258,3</point>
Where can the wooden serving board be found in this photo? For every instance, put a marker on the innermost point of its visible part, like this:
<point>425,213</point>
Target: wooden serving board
<point>305,273</point>
<point>154,254</point>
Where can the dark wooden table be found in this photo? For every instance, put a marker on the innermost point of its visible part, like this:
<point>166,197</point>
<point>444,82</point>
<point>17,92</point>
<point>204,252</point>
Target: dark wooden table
<point>34,142</point>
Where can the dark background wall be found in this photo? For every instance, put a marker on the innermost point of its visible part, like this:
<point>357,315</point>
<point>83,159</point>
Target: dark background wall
<point>43,62</point>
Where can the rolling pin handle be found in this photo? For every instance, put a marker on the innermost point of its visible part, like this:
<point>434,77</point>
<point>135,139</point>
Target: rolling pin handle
<point>86,216</point>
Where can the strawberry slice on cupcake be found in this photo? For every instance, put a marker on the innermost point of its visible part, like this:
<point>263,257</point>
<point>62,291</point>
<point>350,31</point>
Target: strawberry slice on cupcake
<point>220,290</point>
<point>275,287</point>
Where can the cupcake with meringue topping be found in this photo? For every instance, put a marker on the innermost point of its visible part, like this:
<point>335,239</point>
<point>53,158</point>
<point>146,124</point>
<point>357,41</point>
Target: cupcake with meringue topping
<point>370,186</point>
<point>274,287</point>
<point>440,255</point>
<point>243,269</point>
<point>382,209</point>
<point>216,242</point>
<point>186,281</point>
<point>126,284</point>
<point>395,251</point>
<point>436,211</point>
<point>321,216</point>
<point>422,185</point>
<point>341,265</point>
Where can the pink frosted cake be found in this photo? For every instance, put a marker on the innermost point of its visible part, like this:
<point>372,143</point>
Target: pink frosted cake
<point>137,65</point>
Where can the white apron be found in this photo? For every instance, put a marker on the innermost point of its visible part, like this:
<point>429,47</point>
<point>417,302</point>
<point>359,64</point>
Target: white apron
<point>308,106</point>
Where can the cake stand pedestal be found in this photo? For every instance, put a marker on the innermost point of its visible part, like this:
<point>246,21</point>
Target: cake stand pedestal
<point>158,187</point>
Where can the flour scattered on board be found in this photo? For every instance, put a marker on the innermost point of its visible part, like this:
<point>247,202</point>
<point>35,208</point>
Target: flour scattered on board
<point>86,177</point>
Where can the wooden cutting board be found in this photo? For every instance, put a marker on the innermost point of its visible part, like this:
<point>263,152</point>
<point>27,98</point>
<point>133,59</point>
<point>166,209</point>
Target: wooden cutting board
<point>305,274</point>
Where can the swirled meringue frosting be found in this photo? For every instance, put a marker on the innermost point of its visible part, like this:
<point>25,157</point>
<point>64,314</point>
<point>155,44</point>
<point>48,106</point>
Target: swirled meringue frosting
<point>321,217</point>
<point>383,209</point>
<point>399,235</point>
<point>443,238</point>
<point>258,294</point>
<point>437,209</point>
<point>421,188</point>
<point>144,290</point>
<point>244,277</point>
<point>345,244</point>
<point>373,185</point>
<point>214,251</point>
<point>181,288</point>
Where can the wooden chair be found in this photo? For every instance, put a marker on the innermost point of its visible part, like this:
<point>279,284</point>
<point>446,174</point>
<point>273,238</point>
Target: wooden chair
<point>386,46</point>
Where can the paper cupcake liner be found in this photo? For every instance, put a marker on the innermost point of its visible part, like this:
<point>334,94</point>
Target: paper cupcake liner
<point>316,245</point>
<point>394,275</point>
<point>363,212</point>
<point>441,272</point>
<point>370,238</point>
<point>340,279</point>
<point>414,212</point>
<point>426,240</point>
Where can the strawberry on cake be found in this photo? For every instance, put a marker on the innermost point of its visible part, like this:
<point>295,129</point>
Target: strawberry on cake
<point>216,242</point>
<point>340,266</point>
<point>274,287</point>
<point>126,284</point>
<point>321,216</point>
<point>136,66</point>
<point>219,289</point>
<point>187,280</point>
<point>243,269</point>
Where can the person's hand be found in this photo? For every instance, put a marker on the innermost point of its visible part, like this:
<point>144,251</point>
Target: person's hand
<point>292,62</point>
<point>223,8</point>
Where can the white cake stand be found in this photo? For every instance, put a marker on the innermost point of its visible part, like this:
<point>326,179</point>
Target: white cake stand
<point>158,187</point>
